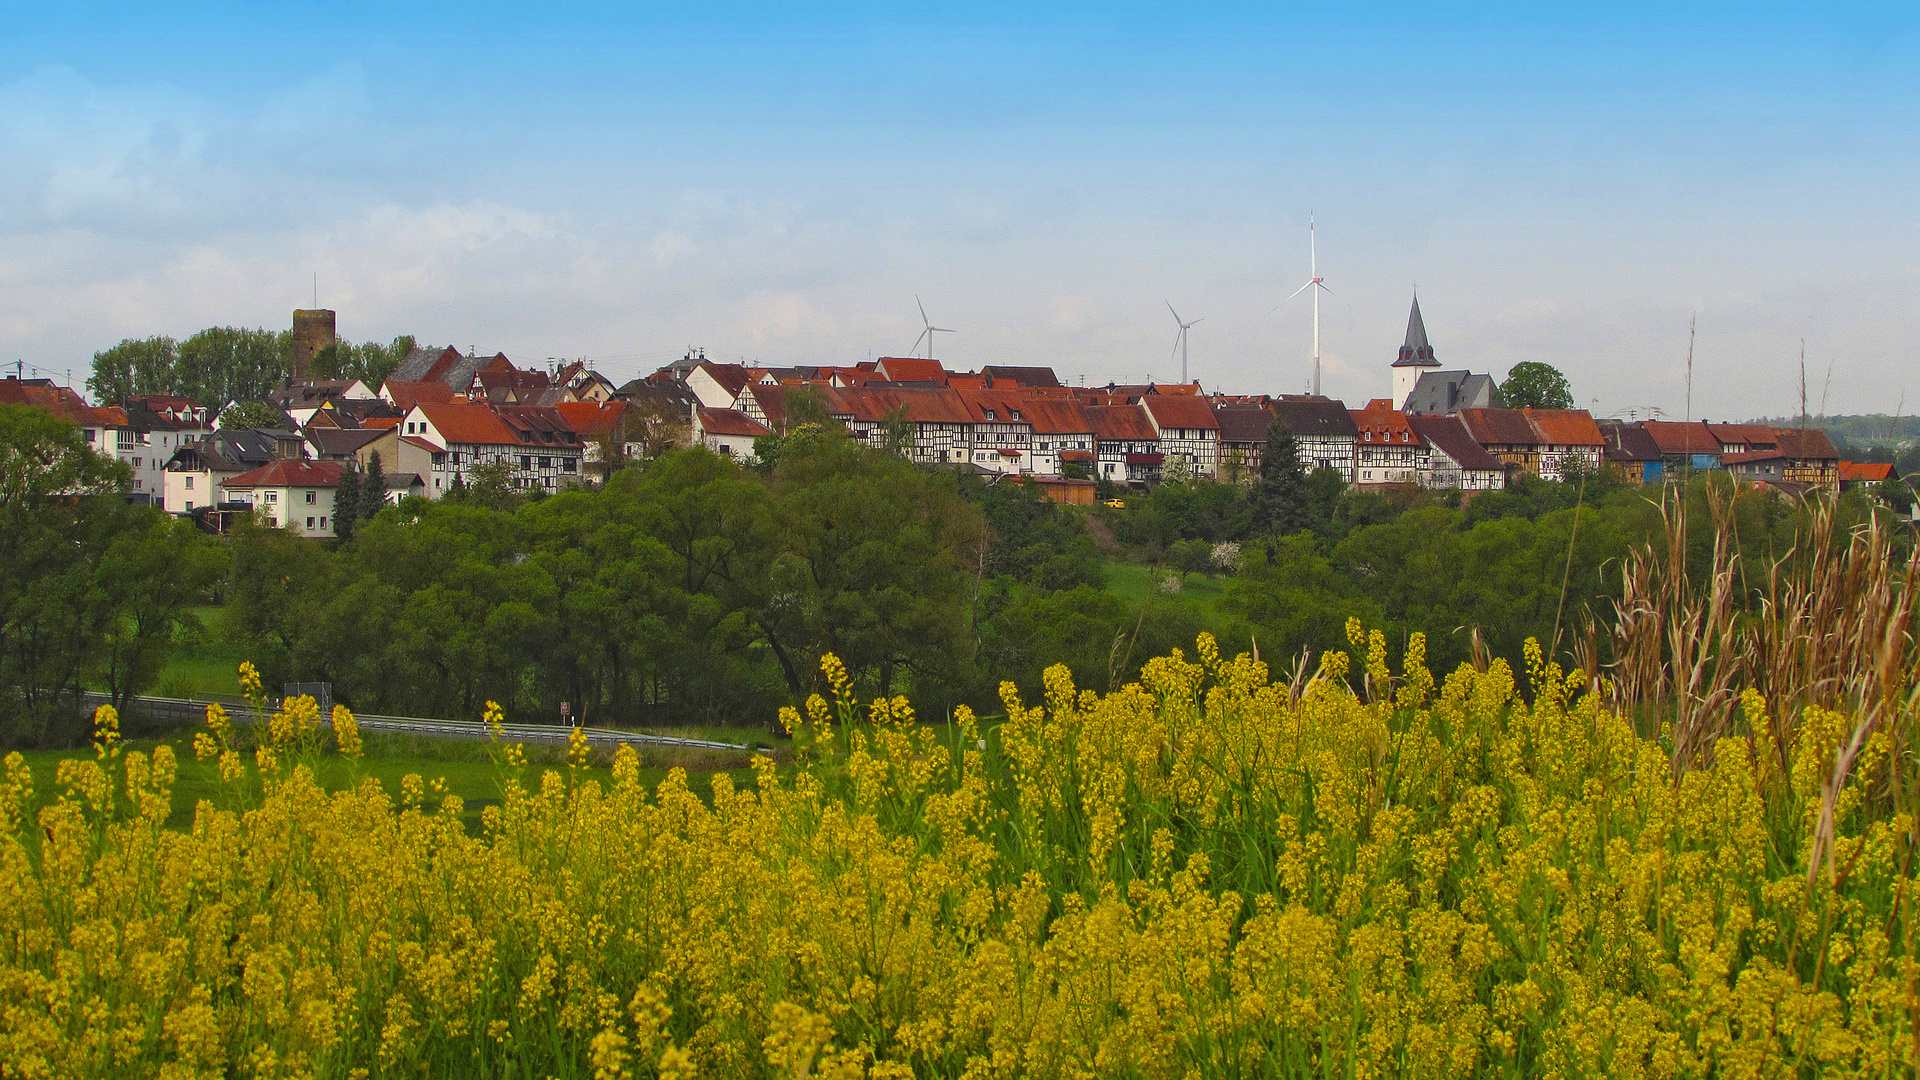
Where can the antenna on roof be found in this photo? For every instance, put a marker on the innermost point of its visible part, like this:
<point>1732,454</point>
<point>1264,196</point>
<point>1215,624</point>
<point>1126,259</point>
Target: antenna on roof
<point>1180,339</point>
<point>927,334</point>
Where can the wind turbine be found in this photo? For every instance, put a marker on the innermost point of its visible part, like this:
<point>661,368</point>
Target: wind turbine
<point>1180,340</point>
<point>1318,287</point>
<point>927,334</point>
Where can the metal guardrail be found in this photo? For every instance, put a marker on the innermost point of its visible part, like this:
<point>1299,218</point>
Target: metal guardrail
<point>196,708</point>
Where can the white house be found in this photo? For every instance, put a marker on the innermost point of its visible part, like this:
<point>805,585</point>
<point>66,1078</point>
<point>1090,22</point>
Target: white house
<point>295,495</point>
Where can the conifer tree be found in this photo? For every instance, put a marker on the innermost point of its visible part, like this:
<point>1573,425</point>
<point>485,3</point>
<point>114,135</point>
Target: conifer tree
<point>346,503</point>
<point>373,488</point>
<point>1280,498</point>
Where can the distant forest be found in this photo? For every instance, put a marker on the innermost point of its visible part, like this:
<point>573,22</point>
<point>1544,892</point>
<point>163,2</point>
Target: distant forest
<point>1869,437</point>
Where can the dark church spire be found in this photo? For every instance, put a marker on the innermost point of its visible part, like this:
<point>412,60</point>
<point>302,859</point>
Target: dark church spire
<point>1416,352</point>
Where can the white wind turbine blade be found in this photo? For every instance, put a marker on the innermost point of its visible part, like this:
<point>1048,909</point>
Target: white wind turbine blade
<point>923,310</point>
<point>1291,295</point>
<point>1176,315</point>
<point>924,335</point>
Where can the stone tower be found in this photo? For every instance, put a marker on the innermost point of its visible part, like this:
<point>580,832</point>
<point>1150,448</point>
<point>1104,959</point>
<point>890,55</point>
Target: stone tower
<point>1416,358</point>
<point>312,331</point>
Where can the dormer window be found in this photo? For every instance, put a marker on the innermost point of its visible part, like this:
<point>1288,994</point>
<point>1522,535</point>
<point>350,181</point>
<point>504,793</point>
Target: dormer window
<point>989,414</point>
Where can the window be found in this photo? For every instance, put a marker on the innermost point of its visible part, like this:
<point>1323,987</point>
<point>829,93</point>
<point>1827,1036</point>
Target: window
<point>89,434</point>
<point>568,464</point>
<point>272,522</point>
<point>526,462</point>
<point>189,483</point>
<point>273,496</point>
<point>309,523</point>
<point>136,463</point>
<point>989,413</point>
<point>312,497</point>
<point>189,504</point>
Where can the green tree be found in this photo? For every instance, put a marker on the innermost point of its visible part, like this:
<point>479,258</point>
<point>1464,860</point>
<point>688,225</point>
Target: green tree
<point>346,503</point>
<point>61,506</point>
<point>490,485</point>
<point>1531,384</point>
<point>229,363</point>
<point>135,366</point>
<point>1282,502</point>
<point>373,489</point>
<point>251,414</point>
<point>152,573</point>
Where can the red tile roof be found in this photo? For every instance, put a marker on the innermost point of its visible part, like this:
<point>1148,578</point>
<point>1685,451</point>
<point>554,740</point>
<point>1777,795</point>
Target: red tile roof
<point>732,378</point>
<point>911,369</point>
<point>1499,427</point>
<point>591,419</point>
<point>1449,436</point>
<point>290,474</point>
<point>1810,444</point>
<point>1056,416</point>
<point>1566,427</point>
<point>406,395</point>
<point>1674,437</point>
<point>60,401</point>
<point>731,422</point>
<point>1384,425</point>
<point>1179,407</point>
<point>1122,423</point>
<point>921,405</point>
<point>1753,435</point>
<point>1867,471</point>
<point>469,424</point>
<point>381,422</point>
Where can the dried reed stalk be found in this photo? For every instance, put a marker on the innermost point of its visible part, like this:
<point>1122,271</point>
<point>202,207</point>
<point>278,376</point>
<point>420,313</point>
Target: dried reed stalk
<point>1831,625</point>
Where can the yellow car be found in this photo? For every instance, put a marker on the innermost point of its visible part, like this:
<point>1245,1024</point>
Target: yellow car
<point>1117,504</point>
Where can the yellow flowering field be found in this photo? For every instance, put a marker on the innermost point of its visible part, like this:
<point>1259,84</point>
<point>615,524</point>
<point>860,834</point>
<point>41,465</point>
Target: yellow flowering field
<point>1365,873</point>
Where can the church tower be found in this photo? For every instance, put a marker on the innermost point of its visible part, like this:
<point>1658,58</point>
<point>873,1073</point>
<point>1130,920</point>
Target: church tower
<point>1416,358</point>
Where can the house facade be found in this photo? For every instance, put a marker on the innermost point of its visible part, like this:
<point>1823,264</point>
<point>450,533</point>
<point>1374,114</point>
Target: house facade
<point>294,495</point>
<point>1187,429</point>
<point>1388,450</point>
<point>1322,428</point>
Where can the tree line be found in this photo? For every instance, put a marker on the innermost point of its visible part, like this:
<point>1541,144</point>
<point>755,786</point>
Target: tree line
<point>223,364</point>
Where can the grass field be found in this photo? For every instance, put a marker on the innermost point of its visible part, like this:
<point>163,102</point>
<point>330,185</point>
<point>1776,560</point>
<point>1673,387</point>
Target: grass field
<point>203,662</point>
<point>1135,582</point>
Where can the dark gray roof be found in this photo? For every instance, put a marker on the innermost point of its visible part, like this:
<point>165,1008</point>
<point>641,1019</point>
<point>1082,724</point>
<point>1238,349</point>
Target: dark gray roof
<point>1243,423</point>
<point>342,442</point>
<point>1024,376</point>
<point>1449,392</point>
<point>414,367</point>
<point>1448,435</point>
<point>1313,416</point>
<point>1628,442</point>
<point>233,450</point>
<point>1416,352</point>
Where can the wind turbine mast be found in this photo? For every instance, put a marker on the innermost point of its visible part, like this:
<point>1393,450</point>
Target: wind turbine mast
<point>1313,269</point>
<point>1317,286</point>
<point>1180,340</point>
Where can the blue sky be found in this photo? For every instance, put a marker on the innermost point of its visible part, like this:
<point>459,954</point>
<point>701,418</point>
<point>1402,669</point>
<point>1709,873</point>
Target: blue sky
<point>777,182</point>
